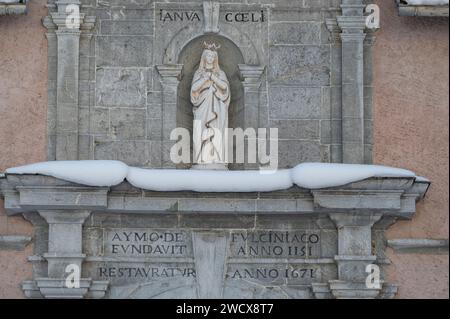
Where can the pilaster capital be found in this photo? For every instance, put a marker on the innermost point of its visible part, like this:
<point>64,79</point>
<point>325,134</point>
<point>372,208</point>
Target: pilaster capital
<point>352,24</point>
<point>251,75</point>
<point>65,216</point>
<point>355,220</point>
<point>170,73</point>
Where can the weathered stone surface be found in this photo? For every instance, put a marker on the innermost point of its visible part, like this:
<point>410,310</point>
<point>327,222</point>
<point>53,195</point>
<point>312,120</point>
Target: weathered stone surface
<point>124,51</point>
<point>295,103</point>
<point>121,87</point>
<point>288,68</point>
<point>291,244</point>
<point>295,33</point>
<point>304,65</point>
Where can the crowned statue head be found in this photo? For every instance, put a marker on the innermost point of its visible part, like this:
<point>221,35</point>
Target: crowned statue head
<point>210,58</point>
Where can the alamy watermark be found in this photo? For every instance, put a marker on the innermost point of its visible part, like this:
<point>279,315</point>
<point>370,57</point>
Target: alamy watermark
<point>235,146</point>
<point>373,280</point>
<point>74,276</point>
<point>373,16</point>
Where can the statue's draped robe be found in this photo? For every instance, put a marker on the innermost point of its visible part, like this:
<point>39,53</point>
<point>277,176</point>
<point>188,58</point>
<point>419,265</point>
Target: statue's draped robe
<point>210,119</point>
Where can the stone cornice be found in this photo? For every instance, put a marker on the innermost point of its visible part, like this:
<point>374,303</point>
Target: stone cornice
<point>425,246</point>
<point>422,10</point>
<point>395,197</point>
<point>11,8</point>
<point>14,242</point>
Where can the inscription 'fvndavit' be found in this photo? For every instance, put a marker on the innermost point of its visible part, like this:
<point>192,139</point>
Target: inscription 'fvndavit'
<point>149,242</point>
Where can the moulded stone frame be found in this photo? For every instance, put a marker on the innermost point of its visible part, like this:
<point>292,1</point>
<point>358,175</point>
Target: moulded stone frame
<point>171,72</point>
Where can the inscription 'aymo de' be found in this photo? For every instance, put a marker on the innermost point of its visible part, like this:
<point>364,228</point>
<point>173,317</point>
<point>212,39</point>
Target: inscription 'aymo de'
<point>148,242</point>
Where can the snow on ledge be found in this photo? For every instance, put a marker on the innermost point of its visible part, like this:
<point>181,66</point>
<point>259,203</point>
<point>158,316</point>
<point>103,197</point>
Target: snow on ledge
<point>112,173</point>
<point>89,173</point>
<point>426,2</point>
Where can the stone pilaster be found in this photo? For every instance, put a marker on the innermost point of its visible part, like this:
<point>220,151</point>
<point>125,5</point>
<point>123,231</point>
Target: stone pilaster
<point>369,42</point>
<point>86,87</point>
<point>354,255</point>
<point>170,80</point>
<point>352,24</point>
<point>336,89</point>
<point>64,249</point>
<point>251,80</point>
<point>64,47</point>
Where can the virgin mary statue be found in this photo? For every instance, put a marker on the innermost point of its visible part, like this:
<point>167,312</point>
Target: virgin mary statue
<point>210,95</point>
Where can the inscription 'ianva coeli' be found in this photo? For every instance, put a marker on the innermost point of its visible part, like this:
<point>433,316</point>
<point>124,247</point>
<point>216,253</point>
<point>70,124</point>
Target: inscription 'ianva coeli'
<point>194,16</point>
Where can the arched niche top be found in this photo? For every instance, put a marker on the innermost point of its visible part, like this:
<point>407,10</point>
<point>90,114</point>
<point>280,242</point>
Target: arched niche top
<point>188,34</point>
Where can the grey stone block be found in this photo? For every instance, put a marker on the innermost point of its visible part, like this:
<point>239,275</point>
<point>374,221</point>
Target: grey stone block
<point>295,103</point>
<point>304,65</point>
<point>291,152</point>
<point>124,51</point>
<point>297,129</point>
<point>126,27</point>
<point>130,152</point>
<point>128,123</point>
<point>295,33</point>
<point>121,87</point>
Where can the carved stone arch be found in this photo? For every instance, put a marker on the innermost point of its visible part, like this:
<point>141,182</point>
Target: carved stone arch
<point>188,34</point>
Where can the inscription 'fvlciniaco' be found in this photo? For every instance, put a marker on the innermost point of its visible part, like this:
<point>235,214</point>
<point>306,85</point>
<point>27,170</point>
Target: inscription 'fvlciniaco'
<point>275,244</point>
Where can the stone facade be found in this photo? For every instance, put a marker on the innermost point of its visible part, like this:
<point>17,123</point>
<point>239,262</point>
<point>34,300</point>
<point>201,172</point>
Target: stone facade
<point>132,243</point>
<point>116,89</point>
<point>295,49</point>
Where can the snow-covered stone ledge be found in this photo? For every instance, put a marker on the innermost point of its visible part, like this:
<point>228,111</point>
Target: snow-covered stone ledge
<point>111,186</point>
<point>13,7</point>
<point>424,8</point>
<point>348,206</point>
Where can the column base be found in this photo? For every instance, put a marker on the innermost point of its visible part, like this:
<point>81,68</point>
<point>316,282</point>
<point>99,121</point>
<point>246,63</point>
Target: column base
<point>54,288</point>
<point>322,291</point>
<point>352,290</point>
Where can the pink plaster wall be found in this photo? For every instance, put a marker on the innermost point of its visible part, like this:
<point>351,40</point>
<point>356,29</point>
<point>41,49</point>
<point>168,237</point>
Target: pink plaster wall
<point>23,116</point>
<point>411,131</point>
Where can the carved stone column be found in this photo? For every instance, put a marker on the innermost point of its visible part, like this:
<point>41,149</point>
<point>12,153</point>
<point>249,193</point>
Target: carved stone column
<point>170,79</point>
<point>64,76</point>
<point>251,80</point>
<point>352,24</point>
<point>355,254</point>
<point>64,248</point>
